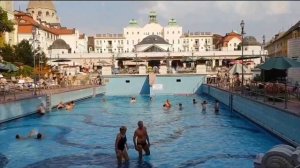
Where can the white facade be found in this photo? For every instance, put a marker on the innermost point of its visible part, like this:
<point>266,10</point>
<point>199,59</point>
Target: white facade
<point>172,33</point>
<point>232,44</point>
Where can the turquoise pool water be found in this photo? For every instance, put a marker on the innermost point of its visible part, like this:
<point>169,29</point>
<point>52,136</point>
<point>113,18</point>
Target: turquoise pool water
<point>85,137</point>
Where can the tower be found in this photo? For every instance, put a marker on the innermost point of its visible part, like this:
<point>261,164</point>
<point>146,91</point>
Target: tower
<point>152,17</point>
<point>43,10</point>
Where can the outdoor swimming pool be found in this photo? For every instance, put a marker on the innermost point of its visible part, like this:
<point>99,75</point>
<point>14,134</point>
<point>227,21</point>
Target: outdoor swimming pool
<point>85,137</point>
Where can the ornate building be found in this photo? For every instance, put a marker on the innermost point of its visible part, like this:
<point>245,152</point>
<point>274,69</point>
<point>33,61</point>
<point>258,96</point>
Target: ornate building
<point>133,34</point>
<point>44,11</point>
<point>41,23</point>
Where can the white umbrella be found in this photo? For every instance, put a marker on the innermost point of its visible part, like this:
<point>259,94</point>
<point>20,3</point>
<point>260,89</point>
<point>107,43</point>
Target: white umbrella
<point>237,68</point>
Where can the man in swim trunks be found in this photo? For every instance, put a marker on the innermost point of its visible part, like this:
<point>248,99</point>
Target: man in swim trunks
<point>141,140</point>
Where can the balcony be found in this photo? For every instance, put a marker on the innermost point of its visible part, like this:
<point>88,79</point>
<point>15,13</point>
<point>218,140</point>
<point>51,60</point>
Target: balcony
<point>109,46</point>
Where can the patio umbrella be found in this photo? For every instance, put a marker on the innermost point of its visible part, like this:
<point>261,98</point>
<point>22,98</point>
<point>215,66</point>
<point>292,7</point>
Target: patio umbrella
<point>249,57</point>
<point>3,68</point>
<point>103,62</point>
<point>237,68</point>
<point>188,59</point>
<point>62,60</point>
<point>8,67</point>
<point>280,63</point>
<point>137,60</point>
<point>124,58</point>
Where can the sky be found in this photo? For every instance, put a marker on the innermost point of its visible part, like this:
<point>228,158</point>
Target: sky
<point>220,17</point>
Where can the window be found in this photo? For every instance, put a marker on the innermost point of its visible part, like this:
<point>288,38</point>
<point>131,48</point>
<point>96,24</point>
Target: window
<point>138,32</point>
<point>47,13</point>
<point>173,32</point>
<point>178,32</point>
<point>178,41</point>
<point>32,12</point>
<point>167,32</point>
<point>132,33</point>
<point>127,41</point>
<point>40,13</point>
<point>127,32</point>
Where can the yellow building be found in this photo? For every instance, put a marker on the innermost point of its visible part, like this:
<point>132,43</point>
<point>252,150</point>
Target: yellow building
<point>9,38</point>
<point>285,43</point>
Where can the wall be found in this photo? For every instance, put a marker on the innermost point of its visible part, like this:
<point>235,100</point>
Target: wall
<point>187,84</point>
<point>278,121</point>
<point>17,109</point>
<point>126,85</point>
<point>75,95</point>
<point>21,108</point>
<point>139,84</point>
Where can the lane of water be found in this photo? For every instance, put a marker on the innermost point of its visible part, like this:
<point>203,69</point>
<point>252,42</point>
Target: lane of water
<point>85,136</point>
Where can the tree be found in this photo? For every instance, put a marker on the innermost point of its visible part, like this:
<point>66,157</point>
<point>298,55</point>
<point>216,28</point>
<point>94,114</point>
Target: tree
<point>5,25</point>
<point>24,53</point>
<point>7,53</point>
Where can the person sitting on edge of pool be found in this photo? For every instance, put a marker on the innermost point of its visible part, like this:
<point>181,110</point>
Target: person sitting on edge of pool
<point>167,104</point>
<point>194,101</point>
<point>204,104</point>
<point>61,105</point>
<point>121,146</point>
<point>41,109</point>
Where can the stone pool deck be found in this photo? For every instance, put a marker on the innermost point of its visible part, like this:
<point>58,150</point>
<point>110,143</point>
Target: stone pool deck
<point>18,95</point>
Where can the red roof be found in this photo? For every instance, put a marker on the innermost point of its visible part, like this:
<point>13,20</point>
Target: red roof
<point>229,36</point>
<point>26,24</point>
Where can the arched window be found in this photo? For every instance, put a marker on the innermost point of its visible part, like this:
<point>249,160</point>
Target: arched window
<point>32,12</point>
<point>47,13</point>
<point>40,13</point>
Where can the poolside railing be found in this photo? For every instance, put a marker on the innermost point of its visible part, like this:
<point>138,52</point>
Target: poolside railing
<point>277,94</point>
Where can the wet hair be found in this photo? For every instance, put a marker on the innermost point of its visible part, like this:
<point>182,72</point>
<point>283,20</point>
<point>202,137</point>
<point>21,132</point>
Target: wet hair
<point>180,104</point>
<point>164,105</point>
<point>17,136</point>
<point>217,101</point>
<point>39,136</point>
<point>123,128</point>
<point>140,122</point>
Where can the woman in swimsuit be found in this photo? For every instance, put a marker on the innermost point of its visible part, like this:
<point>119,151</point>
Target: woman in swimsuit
<point>121,146</point>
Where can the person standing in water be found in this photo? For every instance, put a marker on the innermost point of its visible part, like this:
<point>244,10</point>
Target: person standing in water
<point>121,146</point>
<point>141,140</point>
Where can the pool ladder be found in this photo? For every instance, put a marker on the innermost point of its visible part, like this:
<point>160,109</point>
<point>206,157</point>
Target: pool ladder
<point>48,103</point>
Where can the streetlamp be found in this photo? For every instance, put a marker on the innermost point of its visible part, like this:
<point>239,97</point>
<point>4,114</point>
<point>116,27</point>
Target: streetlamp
<point>242,33</point>
<point>34,40</point>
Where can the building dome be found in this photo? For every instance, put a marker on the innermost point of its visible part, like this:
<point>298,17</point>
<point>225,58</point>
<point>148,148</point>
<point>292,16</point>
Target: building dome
<point>251,41</point>
<point>59,44</point>
<point>41,4</point>
<point>153,39</point>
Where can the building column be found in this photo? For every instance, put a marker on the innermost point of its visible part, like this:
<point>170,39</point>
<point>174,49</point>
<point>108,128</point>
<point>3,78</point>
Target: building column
<point>220,62</point>
<point>213,63</point>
